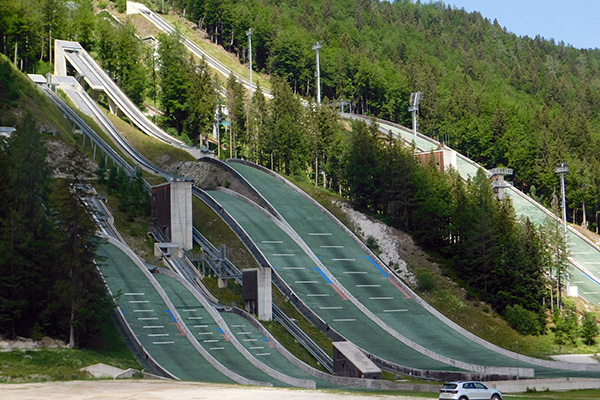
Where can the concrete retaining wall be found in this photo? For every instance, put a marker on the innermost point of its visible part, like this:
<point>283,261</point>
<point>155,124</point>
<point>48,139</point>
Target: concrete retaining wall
<point>541,385</point>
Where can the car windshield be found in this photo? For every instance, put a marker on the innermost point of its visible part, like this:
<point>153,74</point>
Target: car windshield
<point>450,386</point>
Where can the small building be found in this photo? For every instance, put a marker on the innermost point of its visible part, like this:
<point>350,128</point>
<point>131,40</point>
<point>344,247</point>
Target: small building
<point>442,157</point>
<point>349,361</point>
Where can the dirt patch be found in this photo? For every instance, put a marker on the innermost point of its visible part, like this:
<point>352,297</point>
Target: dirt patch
<point>144,27</point>
<point>397,249</point>
<point>58,157</point>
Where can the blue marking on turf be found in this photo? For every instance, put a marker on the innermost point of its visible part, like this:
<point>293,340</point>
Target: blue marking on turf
<point>171,314</point>
<point>221,330</point>
<point>323,275</point>
<point>124,312</point>
<point>265,339</point>
<point>590,278</point>
<point>376,266</point>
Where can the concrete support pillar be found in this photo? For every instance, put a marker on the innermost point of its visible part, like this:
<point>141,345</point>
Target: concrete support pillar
<point>114,108</point>
<point>95,95</point>
<point>265,295</point>
<point>257,293</point>
<point>181,214</point>
<point>60,63</point>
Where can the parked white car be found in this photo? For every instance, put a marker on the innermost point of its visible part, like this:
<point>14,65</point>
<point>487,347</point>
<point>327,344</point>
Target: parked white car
<point>468,390</point>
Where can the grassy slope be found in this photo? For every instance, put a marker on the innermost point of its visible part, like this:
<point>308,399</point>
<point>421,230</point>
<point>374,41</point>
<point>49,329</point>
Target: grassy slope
<point>19,96</point>
<point>145,28</point>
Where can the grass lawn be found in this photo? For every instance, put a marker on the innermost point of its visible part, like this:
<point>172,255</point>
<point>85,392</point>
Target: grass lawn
<point>60,364</point>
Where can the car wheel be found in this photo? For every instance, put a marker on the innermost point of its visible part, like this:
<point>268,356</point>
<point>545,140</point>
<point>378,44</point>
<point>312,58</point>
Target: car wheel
<point>463,398</point>
<point>496,397</point>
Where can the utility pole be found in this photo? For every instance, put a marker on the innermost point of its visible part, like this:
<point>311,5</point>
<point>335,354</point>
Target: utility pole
<point>249,34</point>
<point>317,46</point>
<point>415,100</point>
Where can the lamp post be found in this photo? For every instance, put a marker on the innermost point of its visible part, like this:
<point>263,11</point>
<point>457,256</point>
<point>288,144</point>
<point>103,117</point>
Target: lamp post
<point>415,99</point>
<point>317,46</point>
<point>562,169</point>
<point>249,34</point>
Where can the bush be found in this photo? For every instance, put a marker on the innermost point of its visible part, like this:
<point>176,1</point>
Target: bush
<point>425,280</point>
<point>589,329</point>
<point>373,245</point>
<point>524,321</point>
<point>566,327</point>
<point>121,6</point>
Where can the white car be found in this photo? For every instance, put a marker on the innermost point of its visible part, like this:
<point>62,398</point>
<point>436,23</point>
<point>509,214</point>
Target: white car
<point>468,390</point>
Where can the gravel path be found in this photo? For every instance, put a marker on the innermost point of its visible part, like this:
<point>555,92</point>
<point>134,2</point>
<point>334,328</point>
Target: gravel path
<point>168,390</point>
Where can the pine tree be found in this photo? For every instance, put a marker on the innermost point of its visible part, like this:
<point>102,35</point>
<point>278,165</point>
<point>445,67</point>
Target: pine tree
<point>174,80</point>
<point>201,102</point>
<point>25,237</point>
<point>557,255</point>
<point>79,286</point>
<point>589,329</point>
<point>257,122</point>
<point>362,172</point>
<point>236,104</point>
<point>289,137</point>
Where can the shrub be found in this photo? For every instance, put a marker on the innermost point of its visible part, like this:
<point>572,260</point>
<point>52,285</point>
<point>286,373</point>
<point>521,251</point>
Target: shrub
<point>121,6</point>
<point>566,327</point>
<point>523,321</point>
<point>589,329</point>
<point>425,280</point>
<point>373,245</point>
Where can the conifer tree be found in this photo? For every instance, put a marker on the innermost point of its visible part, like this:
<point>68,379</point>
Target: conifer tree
<point>78,285</point>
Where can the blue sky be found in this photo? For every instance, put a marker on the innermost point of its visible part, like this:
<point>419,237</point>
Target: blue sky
<point>576,22</point>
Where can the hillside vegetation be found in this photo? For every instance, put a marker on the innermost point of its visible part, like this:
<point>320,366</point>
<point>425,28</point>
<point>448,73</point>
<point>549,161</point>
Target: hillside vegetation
<point>525,103</point>
<point>504,100</point>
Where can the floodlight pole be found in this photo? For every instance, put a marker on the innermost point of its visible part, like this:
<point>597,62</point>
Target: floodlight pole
<point>249,34</point>
<point>562,169</point>
<point>317,46</point>
<point>415,99</point>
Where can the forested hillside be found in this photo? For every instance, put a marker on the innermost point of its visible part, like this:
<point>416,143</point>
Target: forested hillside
<point>525,103</point>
